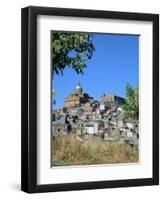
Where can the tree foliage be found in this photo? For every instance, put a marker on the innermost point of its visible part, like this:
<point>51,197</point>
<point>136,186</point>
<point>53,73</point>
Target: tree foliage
<point>71,50</point>
<point>131,105</point>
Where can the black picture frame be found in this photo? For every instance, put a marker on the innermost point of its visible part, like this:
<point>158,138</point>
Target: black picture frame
<point>29,99</point>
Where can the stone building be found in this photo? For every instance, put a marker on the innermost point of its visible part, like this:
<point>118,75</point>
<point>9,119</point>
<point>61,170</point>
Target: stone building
<point>94,127</point>
<point>61,127</point>
<point>77,98</point>
<point>111,99</point>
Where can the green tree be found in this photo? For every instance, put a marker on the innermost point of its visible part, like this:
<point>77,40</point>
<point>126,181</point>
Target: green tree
<point>71,50</point>
<point>131,105</point>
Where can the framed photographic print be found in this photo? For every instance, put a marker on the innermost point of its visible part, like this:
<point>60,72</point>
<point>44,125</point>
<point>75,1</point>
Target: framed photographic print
<point>90,99</point>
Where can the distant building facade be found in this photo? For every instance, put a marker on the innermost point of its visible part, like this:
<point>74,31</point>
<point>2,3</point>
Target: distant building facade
<point>112,98</point>
<point>77,98</point>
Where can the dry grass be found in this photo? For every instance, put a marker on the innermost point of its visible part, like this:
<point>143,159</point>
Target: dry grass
<point>66,150</point>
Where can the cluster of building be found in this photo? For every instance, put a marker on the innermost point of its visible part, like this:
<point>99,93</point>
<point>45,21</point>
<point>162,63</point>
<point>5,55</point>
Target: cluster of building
<point>84,116</point>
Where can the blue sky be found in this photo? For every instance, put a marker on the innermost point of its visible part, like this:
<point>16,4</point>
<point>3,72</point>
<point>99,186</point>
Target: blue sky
<point>113,64</point>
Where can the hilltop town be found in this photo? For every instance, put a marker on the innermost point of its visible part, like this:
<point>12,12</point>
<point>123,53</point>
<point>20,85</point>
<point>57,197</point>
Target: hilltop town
<point>85,117</point>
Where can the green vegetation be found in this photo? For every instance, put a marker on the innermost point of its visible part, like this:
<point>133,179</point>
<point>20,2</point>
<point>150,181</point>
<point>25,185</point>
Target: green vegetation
<point>131,106</point>
<point>67,150</point>
<point>71,50</point>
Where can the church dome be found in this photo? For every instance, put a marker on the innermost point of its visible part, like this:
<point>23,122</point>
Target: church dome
<point>78,88</point>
